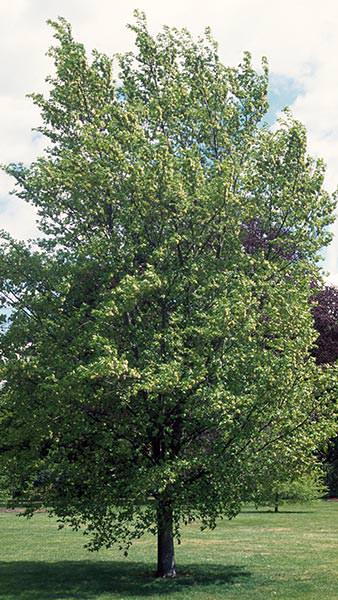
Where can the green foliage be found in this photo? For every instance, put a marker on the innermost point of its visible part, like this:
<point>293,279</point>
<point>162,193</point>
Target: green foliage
<point>148,353</point>
<point>4,492</point>
<point>303,489</point>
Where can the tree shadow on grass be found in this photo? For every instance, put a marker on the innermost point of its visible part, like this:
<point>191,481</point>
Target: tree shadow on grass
<point>85,580</point>
<point>279,512</point>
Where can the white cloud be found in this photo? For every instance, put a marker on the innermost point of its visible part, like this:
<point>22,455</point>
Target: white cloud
<point>299,37</point>
<point>333,279</point>
<point>19,220</point>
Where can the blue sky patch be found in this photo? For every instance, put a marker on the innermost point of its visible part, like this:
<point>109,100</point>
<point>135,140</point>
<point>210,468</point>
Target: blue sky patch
<point>282,92</point>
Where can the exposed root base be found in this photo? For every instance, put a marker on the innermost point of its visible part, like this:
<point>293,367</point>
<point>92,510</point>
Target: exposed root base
<point>169,575</point>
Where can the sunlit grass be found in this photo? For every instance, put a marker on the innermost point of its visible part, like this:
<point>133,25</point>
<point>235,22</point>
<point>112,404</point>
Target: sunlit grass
<point>258,555</point>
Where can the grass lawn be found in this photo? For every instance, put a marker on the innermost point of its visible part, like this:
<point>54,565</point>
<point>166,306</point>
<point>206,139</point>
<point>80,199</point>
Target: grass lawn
<point>292,555</point>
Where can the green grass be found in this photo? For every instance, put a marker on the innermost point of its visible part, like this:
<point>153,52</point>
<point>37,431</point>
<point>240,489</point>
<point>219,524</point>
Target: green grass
<point>259,555</point>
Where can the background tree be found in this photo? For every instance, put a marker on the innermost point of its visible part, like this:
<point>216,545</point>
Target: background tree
<point>325,313</point>
<point>301,490</point>
<point>153,367</point>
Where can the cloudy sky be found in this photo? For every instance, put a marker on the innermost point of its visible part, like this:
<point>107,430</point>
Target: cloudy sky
<point>299,37</point>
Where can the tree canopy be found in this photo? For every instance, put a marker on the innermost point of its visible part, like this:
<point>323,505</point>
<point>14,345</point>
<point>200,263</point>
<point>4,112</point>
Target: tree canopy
<point>157,358</point>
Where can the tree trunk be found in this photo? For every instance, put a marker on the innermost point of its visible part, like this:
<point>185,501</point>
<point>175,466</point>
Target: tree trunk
<point>165,541</point>
<point>276,502</point>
